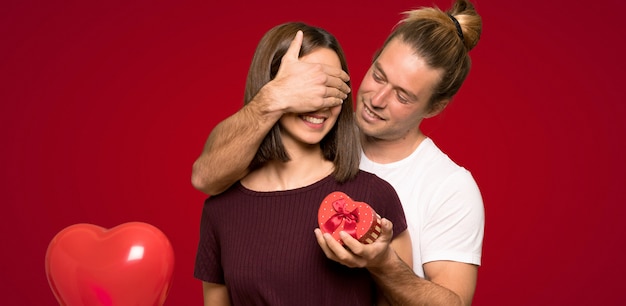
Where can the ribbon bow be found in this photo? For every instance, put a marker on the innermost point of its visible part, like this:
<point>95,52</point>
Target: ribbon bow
<point>349,218</point>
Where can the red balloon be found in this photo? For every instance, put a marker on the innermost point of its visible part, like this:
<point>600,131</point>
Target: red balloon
<point>130,264</point>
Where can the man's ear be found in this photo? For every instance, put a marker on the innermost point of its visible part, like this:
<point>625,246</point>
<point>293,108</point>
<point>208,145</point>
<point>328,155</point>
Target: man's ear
<point>438,108</point>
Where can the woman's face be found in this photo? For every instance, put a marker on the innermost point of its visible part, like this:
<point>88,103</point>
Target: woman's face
<point>310,128</point>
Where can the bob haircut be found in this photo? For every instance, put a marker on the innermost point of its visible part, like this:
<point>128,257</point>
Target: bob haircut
<point>341,144</point>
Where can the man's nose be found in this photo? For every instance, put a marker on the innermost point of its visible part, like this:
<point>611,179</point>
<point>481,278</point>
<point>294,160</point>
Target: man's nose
<point>379,100</point>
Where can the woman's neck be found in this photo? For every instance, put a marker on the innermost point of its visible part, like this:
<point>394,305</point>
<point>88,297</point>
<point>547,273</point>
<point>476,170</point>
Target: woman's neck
<point>307,166</point>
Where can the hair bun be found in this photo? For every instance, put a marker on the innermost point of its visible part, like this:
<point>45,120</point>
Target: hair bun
<point>467,22</point>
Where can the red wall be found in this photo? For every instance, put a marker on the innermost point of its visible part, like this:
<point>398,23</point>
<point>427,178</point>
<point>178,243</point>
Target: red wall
<point>105,106</point>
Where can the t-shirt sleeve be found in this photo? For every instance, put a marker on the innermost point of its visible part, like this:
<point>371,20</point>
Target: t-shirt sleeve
<point>454,225</point>
<point>207,267</point>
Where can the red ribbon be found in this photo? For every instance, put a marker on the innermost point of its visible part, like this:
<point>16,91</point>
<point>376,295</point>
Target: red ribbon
<point>350,218</point>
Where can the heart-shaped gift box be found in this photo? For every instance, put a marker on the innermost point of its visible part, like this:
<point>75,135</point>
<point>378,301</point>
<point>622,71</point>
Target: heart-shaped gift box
<point>338,212</point>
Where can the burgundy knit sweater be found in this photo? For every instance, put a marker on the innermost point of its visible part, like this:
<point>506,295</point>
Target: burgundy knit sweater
<point>262,245</point>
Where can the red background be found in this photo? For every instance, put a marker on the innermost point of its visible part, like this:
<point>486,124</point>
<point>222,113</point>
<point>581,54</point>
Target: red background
<point>105,106</point>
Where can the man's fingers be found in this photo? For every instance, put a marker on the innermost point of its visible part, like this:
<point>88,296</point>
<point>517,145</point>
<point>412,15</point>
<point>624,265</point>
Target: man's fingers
<point>387,229</point>
<point>331,102</point>
<point>334,246</point>
<point>343,255</point>
<point>336,73</point>
<point>354,245</point>
<point>336,78</point>
<point>336,85</point>
<point>320,240</point>
<point>332,92</point>
<point>336,88</point>
<point>294,48</point>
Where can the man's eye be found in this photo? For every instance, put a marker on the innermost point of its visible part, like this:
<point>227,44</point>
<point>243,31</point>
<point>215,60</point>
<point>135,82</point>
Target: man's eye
<point>402,99</point>
<point>376,77</point>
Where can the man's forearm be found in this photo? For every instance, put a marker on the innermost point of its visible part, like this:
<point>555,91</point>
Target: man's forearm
<point>401,286</point>
<point>232,145</point>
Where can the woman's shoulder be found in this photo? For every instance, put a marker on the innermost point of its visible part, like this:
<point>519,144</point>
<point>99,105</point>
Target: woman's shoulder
<point>371,178</point>
<point>368,185</point>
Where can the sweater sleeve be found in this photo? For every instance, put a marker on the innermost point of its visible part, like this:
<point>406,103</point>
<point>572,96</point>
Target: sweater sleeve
<point>386,202</point>
<point>207,266</point>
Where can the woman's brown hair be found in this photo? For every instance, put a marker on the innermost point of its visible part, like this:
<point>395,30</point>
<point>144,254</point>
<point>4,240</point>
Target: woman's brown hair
<point>341,144</point>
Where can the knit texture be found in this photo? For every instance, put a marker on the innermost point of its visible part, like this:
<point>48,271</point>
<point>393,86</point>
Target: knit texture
<point>262,245</point>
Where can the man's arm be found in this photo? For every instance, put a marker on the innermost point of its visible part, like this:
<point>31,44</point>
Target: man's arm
<point>447,282</point>
<point>231,146</point>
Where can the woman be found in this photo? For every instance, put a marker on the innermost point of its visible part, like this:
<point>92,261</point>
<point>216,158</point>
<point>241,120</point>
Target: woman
<point>256,239</point>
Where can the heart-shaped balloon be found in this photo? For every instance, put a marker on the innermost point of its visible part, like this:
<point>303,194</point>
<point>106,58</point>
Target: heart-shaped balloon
<point>130,264</point>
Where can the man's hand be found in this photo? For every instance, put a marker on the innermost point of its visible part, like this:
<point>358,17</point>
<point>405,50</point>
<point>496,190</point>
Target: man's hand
<point>298,87</point>
<point>356,254</point>
<point>301,87</point>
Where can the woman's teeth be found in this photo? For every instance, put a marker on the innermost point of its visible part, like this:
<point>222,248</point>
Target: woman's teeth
<point>313,119</point>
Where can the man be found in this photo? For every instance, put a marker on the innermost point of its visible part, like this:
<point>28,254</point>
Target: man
<point>420,68</point>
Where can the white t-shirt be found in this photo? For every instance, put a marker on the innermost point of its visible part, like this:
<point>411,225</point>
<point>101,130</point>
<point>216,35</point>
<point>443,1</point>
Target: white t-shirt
<point>442,204</point>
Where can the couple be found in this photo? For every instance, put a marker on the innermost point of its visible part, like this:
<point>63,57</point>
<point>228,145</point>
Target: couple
<point>293,140</point>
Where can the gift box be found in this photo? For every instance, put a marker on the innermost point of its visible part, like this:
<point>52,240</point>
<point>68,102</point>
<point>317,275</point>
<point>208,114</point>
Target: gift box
<point>338,212</point>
